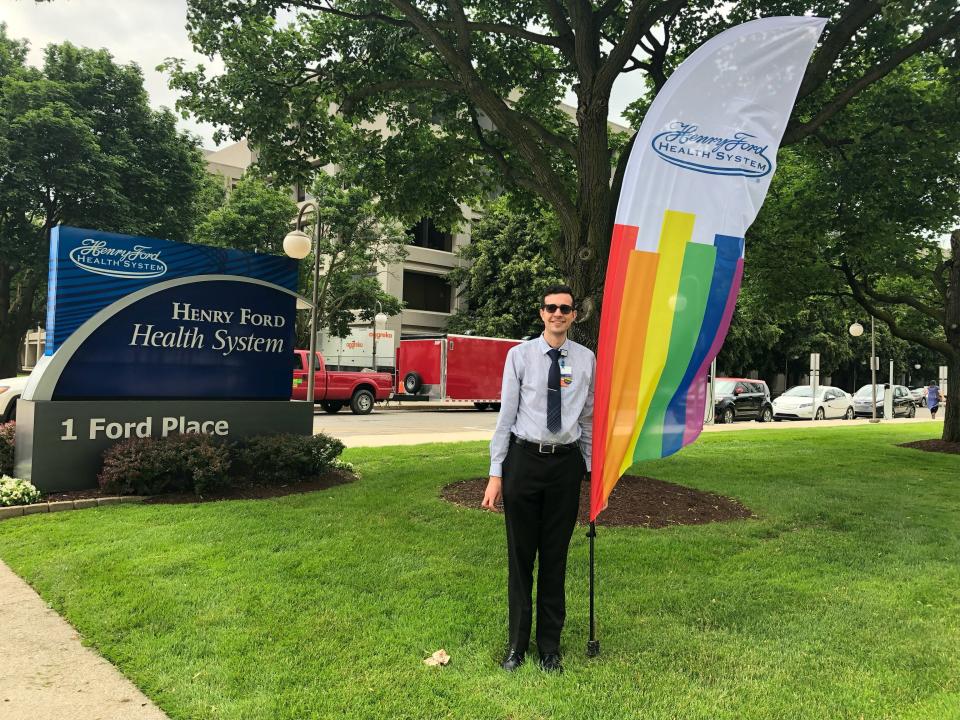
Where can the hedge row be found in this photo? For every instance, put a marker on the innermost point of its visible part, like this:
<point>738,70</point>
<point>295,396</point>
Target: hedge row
<point>202,463</point>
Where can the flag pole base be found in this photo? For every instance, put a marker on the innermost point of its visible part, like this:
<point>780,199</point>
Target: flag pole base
<point>593,648</point>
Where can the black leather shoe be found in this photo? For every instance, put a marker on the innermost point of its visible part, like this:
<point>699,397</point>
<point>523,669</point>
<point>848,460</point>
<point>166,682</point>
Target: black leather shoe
<point>550,662</point>
<point>512,660</point>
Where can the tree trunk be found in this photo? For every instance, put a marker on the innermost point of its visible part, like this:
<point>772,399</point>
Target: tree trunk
<point>18,316</point>
<point>951,418</point>
<point>11,341</point>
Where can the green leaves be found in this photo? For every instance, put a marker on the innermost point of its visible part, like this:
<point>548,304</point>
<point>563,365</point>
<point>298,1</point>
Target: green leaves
<point>256,217</point>
<point>510,265</point>
<point>80,145</point>
<point>358,239</point>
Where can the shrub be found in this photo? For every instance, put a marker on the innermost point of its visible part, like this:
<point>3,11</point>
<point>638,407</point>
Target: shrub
<point>178,463</point>
<point>14,491</point>
<point>278,459</point>
<point>8,432</point>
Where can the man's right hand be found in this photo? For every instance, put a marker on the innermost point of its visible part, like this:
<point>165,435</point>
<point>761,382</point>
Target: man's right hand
<point>492,495</point>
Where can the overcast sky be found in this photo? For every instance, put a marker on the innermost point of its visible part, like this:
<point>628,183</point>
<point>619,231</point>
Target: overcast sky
<point>147,32</point>
<point>142,31</point>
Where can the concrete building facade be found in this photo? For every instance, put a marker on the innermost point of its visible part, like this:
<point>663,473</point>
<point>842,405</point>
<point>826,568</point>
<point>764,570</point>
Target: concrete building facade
<point>419,280</point>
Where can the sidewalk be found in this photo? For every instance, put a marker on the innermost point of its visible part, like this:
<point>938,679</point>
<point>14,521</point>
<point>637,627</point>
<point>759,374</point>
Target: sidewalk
<point>47,674</point>
<point>420,438</point>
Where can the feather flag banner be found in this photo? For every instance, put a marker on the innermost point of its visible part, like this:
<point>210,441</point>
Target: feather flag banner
<point>697,175</point>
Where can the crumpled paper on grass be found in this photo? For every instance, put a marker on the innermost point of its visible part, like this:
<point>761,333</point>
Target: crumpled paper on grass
<point>439,658</point>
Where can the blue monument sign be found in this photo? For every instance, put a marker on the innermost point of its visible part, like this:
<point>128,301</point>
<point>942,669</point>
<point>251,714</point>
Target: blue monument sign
<point>148,337</point>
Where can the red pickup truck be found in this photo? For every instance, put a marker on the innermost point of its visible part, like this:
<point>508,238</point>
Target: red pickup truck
<point>334,389</point>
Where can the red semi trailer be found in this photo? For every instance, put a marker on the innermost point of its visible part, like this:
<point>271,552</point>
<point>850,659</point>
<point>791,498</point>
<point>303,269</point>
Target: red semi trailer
<point>452,368</point>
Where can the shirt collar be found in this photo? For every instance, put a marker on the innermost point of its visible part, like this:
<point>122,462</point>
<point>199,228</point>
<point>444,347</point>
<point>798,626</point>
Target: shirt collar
<point>545,346</point>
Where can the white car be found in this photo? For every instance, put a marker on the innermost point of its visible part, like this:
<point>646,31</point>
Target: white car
<point>10,391</point>
<point>798,403</point>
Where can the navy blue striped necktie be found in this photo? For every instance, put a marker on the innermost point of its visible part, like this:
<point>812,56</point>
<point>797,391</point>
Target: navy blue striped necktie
<point>553,392</point>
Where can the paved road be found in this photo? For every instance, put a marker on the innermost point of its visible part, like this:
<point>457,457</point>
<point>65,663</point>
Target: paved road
<point>415,424</point>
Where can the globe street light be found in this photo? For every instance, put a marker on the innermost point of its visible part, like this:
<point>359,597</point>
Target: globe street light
<point>857,330</point>
<point>379,320</point>
<point>297,245</point>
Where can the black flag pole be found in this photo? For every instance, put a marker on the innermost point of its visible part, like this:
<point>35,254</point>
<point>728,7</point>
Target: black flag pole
<point>593,645</point>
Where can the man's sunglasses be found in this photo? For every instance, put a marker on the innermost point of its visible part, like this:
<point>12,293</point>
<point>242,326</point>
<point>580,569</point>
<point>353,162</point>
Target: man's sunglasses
<point>551,308</point>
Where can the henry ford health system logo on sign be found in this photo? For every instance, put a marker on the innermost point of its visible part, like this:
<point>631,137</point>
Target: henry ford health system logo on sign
<point>684,145</point>
<point>97,256</point>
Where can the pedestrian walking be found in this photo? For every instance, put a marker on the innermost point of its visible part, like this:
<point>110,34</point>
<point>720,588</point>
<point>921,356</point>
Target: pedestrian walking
<point>934,398</point>
<point>539,455</point>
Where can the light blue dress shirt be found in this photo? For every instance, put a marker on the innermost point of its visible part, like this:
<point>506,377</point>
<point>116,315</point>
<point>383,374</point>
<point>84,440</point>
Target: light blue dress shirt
<point>523,399</point>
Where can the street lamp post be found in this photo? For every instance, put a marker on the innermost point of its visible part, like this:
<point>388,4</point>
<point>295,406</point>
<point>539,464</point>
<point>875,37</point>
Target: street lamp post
<point>297,245</point>
<point>857,330</point>
<point>378,321</point>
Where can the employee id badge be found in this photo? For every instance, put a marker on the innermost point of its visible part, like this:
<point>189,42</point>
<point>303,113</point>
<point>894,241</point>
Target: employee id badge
<point>566,375</point>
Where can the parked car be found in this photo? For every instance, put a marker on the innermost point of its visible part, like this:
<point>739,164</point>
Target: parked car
<point>10,391</point>
<point>903,403</point>
<point>919,395</point>
<point>798,403</point>
<point>334,389</point>
<point>742,399</point>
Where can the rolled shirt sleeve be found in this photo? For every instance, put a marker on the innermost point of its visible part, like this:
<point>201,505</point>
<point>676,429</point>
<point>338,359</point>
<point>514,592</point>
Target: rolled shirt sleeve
<point>509,404</point>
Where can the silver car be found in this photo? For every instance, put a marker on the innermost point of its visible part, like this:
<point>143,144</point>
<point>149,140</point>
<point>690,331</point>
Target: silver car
<point>10,391</point>
<point>798,403</point>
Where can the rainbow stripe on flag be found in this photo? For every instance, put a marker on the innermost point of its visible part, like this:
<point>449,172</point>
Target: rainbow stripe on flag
<point>679,301</point>
<point>697,175</point>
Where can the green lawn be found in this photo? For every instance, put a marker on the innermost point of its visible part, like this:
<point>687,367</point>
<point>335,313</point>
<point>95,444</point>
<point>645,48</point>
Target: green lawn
<point>841,600</point>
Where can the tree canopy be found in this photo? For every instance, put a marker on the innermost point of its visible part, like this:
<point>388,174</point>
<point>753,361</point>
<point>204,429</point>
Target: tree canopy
<point>357,239</point>
<point>471,90</point>
<point>859,214</point>
<point>79,144</point>
<point>255,218</point>
<point>509,267</point>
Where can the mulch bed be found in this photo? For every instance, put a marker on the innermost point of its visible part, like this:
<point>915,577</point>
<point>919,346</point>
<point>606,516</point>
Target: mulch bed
<point>329,479</point>
<point>635,500</point>
<point>939,446</point>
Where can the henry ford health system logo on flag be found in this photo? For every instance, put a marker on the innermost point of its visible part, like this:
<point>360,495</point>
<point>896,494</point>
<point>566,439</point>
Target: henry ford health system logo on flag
<point>686,146</point>
<point>97,256</point>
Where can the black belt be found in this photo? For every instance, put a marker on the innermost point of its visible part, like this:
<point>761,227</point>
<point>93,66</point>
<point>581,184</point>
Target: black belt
<point>544,448</point>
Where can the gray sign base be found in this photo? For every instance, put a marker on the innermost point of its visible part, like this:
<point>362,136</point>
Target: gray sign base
<point>60,443</point>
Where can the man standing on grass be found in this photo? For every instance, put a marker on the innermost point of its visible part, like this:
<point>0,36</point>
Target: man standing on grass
<point>539,455</point>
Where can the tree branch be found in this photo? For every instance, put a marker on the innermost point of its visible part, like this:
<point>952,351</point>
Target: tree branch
<point>503,116</point>
<point>939,281</point>
<point>388,86</point>
<point>860,293</point>
<point>606,10</point>
<point>856,15</point>
<point>491,28</point>
<point>561,25</point>
<point>460,24</point>
<point>501,161</point>
<point>798,131</point>
<point>374,16</point>
<point>638,24</point>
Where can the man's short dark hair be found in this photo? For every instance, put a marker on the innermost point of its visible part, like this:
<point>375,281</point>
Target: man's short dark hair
<point>558,290</point>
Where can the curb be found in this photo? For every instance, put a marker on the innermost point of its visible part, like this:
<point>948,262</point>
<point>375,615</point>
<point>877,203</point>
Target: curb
<point>61,505</point>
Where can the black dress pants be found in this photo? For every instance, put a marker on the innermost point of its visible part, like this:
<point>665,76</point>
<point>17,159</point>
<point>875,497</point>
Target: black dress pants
<point>541,496</point>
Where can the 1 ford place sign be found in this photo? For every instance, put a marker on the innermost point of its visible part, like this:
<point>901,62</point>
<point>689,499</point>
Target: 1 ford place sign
<point>148,337</point>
